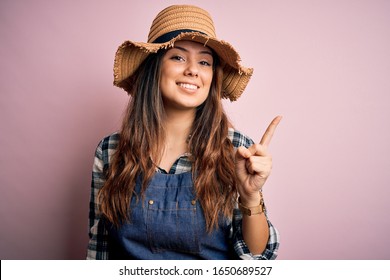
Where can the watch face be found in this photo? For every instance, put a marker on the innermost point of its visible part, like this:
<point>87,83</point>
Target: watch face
<point>247,212</point>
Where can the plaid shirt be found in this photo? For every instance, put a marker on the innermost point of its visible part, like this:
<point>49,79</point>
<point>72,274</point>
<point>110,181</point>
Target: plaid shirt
<point>98,235</point>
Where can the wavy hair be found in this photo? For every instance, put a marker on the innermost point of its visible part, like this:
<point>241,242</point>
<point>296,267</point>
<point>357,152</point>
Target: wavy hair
<point>142,137</point>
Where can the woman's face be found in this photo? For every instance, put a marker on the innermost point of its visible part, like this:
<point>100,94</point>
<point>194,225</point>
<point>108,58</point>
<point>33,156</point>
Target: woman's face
<point>186,75</point>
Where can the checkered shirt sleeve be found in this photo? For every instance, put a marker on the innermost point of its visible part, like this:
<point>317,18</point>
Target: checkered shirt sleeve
<point>98,235</point>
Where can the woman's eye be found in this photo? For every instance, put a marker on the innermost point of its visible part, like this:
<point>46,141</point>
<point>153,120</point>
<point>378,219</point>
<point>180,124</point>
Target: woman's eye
<point>177,57</point>
<point>205,63</point>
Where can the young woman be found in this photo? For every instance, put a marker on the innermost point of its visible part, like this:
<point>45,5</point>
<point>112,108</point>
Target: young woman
<point>178,181</point>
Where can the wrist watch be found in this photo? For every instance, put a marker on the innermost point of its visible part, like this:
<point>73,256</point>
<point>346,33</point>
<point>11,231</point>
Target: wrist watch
<point>250,211</point>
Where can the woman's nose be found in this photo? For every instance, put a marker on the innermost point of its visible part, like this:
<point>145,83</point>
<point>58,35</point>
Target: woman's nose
<point>191,69</point>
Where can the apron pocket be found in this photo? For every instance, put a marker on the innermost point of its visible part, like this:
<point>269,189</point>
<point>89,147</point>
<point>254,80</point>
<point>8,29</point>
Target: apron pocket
<point>173,225</point>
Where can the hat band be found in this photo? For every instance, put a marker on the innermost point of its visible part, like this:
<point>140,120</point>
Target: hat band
<point>170,35</point>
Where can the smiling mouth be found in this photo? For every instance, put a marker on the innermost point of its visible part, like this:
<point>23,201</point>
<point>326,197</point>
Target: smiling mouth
<point>187,86</point>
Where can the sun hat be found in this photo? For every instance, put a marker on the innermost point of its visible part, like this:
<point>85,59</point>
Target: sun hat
<point>182,22</point>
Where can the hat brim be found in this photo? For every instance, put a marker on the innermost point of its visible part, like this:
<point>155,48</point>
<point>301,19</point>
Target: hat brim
<point>130,55</point>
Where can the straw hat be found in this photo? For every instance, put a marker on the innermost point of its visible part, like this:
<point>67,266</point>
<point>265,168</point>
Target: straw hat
<point>182,22</point>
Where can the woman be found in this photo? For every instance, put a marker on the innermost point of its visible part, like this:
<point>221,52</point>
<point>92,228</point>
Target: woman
<point>178,182</point>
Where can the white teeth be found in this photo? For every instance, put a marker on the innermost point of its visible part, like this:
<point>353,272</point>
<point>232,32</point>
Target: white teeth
<point>188,86</point>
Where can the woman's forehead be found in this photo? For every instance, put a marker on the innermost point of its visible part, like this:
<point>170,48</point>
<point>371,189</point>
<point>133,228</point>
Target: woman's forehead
<point>187,44</point>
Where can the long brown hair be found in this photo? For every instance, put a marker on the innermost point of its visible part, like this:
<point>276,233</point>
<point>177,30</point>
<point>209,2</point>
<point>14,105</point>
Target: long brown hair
<point>142,138</point>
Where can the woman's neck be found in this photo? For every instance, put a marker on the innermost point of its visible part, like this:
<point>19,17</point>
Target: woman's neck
<point>177,130</point>
<point>178,125</point>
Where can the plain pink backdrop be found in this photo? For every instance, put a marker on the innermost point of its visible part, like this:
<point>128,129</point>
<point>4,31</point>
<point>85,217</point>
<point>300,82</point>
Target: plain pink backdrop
<point>323,65</point>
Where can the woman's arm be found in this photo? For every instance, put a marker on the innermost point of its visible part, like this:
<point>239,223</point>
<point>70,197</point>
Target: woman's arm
<point>98,235</point>
<point>253,166</point>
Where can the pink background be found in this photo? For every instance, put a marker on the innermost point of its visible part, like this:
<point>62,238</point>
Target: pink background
<point>323,65</point>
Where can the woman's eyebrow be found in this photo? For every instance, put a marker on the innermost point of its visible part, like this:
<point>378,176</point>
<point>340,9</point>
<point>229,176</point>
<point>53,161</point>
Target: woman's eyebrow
<point>185,50</point>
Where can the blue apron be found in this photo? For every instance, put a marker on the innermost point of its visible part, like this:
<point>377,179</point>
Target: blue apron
<point>169,224</point>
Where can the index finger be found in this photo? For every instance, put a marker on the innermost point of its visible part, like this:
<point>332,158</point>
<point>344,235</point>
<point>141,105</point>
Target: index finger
<point>266,139</point>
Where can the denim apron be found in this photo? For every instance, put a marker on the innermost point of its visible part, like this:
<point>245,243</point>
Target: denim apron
<point>169,224</point>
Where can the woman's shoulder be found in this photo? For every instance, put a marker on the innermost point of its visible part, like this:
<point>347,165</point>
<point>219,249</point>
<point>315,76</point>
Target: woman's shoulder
<point>239,139</point>
<point>106,148</point>
<point>109,142</point>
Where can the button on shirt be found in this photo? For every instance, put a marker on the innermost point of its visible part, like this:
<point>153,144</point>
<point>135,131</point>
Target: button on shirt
<point>98,234</point>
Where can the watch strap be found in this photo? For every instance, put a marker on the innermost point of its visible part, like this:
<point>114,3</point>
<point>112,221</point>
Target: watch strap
<point>250,211</point>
